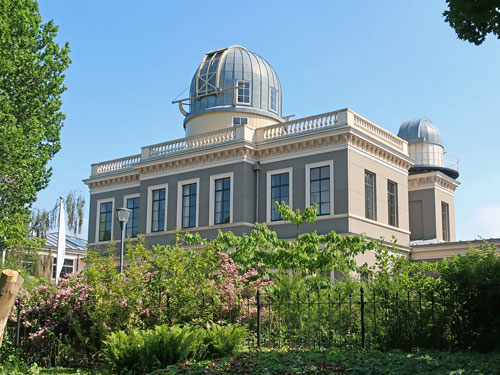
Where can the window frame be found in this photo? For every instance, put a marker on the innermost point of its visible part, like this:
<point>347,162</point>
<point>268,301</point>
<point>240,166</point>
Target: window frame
<point>374,218</point>
<point>270,101</point>
<point>308,167</point>
<point>269,174</point>
<point>54,267</point>
<point>98,214</point>
<point>180,184</point>
<point>445,230</point>
<point>236,92</point>
<point>149,215</point>
<point>239,117</point>
<point>211,207</point>
<point>125,199</point>
<point>396,204</point>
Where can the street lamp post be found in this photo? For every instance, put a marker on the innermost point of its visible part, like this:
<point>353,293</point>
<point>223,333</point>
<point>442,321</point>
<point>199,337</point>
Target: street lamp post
<point>123,214</point>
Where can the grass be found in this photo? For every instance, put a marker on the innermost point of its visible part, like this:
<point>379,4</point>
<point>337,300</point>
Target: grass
<point>346,362</point>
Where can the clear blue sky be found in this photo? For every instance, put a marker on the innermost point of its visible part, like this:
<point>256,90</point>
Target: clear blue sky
<point>390,61</point>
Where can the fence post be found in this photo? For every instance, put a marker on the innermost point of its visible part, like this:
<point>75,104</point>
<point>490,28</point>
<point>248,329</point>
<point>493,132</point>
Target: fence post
<point>18,323</point>
<point>363,332</point>
<point>258,319</point>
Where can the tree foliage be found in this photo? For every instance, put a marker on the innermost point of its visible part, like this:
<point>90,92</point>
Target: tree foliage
<point>44,220</point>
<point>474,20</point>
<point>309,256</point>
<point>32,69</point>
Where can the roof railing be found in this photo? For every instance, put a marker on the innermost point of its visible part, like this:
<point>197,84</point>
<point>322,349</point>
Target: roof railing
<point>311,124</point>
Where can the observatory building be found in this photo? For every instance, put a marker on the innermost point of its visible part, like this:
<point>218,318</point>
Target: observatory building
<point>240,155</point>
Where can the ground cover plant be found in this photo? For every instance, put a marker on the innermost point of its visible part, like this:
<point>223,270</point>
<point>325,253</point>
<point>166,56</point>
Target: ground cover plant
<point>346,362</point>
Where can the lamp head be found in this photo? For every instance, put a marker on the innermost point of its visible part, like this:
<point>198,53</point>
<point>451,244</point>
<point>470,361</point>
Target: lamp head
<point>123,215</point>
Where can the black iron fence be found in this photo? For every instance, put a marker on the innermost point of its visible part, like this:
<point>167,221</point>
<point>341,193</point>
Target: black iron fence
<point>325,318</point>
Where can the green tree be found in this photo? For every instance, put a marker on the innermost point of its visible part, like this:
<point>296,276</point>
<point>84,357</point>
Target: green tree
<point>474,20</point>
<point>32,69</point>
<point>309,256</point>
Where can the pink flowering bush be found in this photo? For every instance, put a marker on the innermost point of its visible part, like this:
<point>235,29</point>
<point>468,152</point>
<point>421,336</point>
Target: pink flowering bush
<point>164,285</point>
<point>236,290</point>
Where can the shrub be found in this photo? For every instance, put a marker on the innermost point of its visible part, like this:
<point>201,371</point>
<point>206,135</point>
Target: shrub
<point>67,323</point>
<point>140,351</point>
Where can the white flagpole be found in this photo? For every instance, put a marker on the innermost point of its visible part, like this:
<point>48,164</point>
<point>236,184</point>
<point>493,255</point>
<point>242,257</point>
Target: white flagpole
<point>61,240</point>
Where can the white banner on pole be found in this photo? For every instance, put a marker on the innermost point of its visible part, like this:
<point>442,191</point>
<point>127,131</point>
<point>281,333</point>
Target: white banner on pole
<point>61,240</point>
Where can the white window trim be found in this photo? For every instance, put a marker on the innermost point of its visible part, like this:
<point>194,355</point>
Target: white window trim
<point>211,210</point>
<point>249,92</point>
<point>179,200</point>
<point>268,191</point>
<point>232,120</point>
<point>149,215</point>
<point>308,183</point>
<point>129,196</point>
<point>277,100</point>
<point>397,203</point>
<point>98,214</point>
<point>374,194</point>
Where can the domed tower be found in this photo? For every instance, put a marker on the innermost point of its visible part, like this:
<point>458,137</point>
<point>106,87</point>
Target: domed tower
<point>425,145</point>
<point>431,185</point>
<point>232,86</point>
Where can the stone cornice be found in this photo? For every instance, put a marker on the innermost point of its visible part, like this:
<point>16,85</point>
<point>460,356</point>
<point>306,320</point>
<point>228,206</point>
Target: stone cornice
<point>372,148</point>
<point>106,182</point>
<point>431,180</point>
<point>189,161</point>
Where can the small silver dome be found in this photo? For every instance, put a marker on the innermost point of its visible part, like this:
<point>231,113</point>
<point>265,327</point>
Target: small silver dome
<point>227,68</point>
<point>420,130</point>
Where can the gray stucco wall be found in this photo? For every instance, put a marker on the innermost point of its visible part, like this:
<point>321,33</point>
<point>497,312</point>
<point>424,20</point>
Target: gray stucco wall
<point>118,196</point>
<point>243,198</point>
<point>340,185</point>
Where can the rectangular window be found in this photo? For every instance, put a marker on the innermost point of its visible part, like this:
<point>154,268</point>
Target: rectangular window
<point>280,186</point>
<point>158,211</point>
<point>320,189</point>
<point>222,201</point>
<point>240,121</point>
<point>132,228</point>
<point>66,269</point>
<point>445,221</point>
<point>273,99</point>
<point>370,204</point>
<point>392,203</point>
<point>243,92</point>
<point>105,221</point>
<point>189,205</point>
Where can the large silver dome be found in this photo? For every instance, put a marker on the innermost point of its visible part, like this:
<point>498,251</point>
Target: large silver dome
<point>228,68</point>
<point>420,130</point>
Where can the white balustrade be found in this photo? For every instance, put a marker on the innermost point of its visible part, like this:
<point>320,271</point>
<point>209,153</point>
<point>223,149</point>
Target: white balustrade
<point>378,132</point>
<point>191,143</point>
<point>300,126</point>
<point>113,165</point>
<point>296,127</point>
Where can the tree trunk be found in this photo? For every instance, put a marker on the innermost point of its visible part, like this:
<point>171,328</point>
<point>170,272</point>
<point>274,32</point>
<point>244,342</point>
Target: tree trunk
<point>10,283</point>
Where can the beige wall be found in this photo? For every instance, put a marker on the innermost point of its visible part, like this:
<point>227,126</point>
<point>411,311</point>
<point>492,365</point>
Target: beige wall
<point>423,222</point>
<point>441,196</point>
<point>358,163</point>
<point>440,251</point>
<point>431,199</point>
<point>209,122</point>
